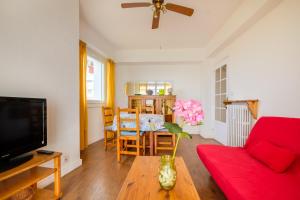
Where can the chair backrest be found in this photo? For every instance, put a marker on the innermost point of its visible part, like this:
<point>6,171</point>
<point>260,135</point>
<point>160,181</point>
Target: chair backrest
<point>128,120</point>
<point>146,109</point>
<point>108,115</point>
<point>280,131</point>
<point>174,119</point>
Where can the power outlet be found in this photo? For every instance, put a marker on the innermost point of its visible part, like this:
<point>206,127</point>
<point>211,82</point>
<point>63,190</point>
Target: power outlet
<point>66,158</point>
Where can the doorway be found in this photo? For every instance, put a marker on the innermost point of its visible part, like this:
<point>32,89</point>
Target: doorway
<point>220,108</point>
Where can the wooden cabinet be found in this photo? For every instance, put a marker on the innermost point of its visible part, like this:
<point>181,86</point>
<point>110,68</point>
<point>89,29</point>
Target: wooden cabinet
<point>162,104</point>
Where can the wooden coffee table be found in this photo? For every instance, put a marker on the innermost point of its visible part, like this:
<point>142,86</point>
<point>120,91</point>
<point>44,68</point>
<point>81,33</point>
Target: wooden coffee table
<point>142,181</point>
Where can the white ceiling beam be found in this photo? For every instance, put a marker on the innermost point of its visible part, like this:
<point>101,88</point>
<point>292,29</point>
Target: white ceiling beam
<point>159,55</point>
<point>248,13</point>
<point>95,40</point>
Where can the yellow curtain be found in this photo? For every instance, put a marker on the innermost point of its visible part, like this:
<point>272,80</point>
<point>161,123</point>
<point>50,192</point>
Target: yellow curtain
<point>83,100</point>
<point>110,83</point>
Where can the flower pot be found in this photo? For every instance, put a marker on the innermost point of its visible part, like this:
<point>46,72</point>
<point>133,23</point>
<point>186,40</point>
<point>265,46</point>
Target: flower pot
<point>167,172</point>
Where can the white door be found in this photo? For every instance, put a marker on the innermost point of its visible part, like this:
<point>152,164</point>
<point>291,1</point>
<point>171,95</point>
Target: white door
<point>220,109</point>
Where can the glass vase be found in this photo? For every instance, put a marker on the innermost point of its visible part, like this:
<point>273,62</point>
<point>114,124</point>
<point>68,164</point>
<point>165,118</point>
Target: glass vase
<point>167,172</point>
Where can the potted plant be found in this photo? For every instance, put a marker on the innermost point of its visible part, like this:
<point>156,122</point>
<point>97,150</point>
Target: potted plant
<point>188,112</point>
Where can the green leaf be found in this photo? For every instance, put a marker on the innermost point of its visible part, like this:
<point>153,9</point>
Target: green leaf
<point>173,127</point>
<point>184,135</point>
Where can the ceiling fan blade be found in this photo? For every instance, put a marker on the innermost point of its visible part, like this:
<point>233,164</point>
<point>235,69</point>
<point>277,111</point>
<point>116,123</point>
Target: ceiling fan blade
<point>180,9</point>
<point>136,5</point>
<point>155,22</point>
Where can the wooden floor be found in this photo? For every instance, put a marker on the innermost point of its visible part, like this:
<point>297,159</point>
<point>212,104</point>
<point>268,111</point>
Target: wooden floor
<point>101,176</point>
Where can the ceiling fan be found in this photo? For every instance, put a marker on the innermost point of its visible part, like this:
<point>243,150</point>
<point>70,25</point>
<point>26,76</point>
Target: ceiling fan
<point>159,7</point>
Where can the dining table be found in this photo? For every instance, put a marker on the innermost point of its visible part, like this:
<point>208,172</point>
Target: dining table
<point>147,123</point>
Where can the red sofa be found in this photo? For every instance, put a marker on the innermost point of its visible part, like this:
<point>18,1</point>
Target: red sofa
<point>242,177</point>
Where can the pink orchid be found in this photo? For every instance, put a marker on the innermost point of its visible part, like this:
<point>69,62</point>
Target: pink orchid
<point>191,111</point>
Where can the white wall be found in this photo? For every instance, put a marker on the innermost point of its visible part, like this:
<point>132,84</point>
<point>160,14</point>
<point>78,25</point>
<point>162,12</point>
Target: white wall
<point>39,58</point>
<point>189,81</point>
<point>263,63</point>
<point>95,124</point>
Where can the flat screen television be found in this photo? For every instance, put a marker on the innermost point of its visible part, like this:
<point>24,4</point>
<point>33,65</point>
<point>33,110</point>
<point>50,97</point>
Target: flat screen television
<point>23,128</point>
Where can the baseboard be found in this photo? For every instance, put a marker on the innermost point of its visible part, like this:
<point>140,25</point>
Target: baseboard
<point>96,140</point>
<point>65,170</point>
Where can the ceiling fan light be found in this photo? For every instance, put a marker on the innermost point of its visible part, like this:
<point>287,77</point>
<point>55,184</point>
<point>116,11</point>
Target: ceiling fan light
<point>155,14</point>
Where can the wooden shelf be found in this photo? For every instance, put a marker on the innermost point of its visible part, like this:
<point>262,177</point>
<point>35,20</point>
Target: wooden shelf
<point>21,181</point>
<point>252,105</point>
<point>240,101</point>
<point>37,159</point>
<point>44,194</point>
<point>29,174</point>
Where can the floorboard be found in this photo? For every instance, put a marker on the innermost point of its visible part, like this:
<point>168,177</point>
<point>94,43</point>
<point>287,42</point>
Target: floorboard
<point>101,176</point>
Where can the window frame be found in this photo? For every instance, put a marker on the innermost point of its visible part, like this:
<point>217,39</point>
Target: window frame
<point>219,85</point>
<point>153,85</point>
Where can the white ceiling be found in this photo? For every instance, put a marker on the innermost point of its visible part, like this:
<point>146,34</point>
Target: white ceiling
<point>131,28</point>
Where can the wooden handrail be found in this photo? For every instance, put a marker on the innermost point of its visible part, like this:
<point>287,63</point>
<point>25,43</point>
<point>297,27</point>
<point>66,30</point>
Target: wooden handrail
<point>251,103</point>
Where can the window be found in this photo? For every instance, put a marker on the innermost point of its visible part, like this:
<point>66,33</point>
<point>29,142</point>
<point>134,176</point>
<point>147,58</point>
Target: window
<point>94,79</point>
<point>220,93</point>
<point>141,88</point>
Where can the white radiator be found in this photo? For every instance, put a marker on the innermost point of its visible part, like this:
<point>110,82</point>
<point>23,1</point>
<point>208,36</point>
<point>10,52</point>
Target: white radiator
<point>239,124</point>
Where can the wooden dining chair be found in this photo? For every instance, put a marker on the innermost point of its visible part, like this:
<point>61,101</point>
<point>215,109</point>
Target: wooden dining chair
<point>146,109</point>
<point>109,133</point>
<point>128,129</point>
<point>164,140</point>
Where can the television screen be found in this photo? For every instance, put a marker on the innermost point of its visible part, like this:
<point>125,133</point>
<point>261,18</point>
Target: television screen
<point>23,125</point>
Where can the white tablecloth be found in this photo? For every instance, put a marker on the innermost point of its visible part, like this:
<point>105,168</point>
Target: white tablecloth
<point>148,122</point>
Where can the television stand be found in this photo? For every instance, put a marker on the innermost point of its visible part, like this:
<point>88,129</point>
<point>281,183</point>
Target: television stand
<point>29,174</point>
<point>14,162</point>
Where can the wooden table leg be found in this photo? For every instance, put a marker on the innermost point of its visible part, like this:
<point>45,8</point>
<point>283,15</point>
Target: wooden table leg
<point>151,142</point>
<point>57,175</point>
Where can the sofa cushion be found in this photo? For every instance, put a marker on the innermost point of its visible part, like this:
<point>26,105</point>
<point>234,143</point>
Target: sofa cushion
<point>275,157</point>
<point>281,131</point>
<point>243,178</point>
